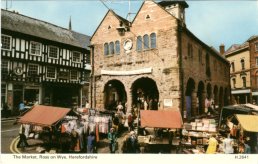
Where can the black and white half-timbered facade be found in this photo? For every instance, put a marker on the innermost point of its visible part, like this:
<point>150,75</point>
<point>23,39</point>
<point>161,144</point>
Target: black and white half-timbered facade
<point>42,62</point>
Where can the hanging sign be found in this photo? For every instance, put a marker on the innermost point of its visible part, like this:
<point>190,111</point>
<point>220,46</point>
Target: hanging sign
<point>18,71</point>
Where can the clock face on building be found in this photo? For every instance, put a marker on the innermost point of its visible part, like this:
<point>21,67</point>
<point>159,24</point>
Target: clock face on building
<point>128,44</point>
<point>18,71</point>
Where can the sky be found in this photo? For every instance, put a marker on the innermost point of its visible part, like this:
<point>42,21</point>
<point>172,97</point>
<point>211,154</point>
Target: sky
<point>214,22</point>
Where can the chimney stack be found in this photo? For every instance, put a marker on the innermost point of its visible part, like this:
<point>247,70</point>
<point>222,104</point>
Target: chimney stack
<point>70,24</point>
<point>222,49</point>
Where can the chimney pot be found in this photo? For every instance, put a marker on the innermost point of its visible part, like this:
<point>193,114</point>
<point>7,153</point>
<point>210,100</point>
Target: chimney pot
<point>222,49</point>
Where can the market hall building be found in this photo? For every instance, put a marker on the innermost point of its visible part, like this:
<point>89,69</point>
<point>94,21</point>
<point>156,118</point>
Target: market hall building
<point>153,57</point>
<point>42,62</point>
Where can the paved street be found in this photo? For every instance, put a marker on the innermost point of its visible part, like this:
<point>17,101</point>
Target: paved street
<point>9,132</point>
<point>10,138</point>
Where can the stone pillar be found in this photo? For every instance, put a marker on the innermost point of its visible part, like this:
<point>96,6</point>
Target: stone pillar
<point>194,103</point>
<point>129,99</point>
<point>202,109</point>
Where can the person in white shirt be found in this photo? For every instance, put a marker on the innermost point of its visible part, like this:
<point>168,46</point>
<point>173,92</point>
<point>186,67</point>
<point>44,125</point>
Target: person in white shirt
<point>228,145</point>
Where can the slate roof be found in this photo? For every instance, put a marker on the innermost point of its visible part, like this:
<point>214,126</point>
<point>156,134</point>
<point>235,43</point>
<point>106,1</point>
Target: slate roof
<point>235,47</point>
<point>34,27</point>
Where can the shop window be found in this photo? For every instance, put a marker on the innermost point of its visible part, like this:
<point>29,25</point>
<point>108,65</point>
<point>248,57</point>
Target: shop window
<point>76,57</point>
<point>73,75</point>
<point>33,70</point>
<point>35,48</point>
<point>153,40</point>
<point>106,49</point>
<point>111,48</point>
<point>117,43</point>
<point>53,52</point>
<point>139,43</point>
<point>146,42</point>
<point>6,42</point>
<point>51,72</point>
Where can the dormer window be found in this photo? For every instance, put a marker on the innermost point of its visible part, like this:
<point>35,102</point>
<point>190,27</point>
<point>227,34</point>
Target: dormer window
<point>147,17</point>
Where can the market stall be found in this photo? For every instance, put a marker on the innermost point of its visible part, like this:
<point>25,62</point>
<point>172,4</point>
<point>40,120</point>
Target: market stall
<point>43,122</point>
<point>158,129</point>
<point>249,128</point>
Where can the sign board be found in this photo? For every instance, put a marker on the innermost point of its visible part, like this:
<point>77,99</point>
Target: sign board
<point>168,102</point>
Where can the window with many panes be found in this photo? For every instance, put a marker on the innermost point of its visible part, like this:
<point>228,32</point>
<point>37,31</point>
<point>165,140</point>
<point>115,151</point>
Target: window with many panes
<point>74,75</point>
<point>35,48</point>
<point>4,67</point>
<point>6,42</point>
<point>51,72</point>
<point>53,52</point>
<point>33,69</point>
<point>76,57</point>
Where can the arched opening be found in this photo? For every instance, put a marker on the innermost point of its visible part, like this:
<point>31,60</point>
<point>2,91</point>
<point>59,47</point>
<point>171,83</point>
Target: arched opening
<point>145,89</point>
<point>189,98</point>
<point>200,98</point>
<point>114,92</point>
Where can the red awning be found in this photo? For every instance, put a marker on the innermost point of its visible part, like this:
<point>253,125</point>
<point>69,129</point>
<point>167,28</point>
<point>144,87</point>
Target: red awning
<point>44,115</point>
<point>161,119</point>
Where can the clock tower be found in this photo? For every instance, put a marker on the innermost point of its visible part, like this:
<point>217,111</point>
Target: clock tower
<point>176,8</point>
